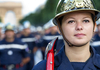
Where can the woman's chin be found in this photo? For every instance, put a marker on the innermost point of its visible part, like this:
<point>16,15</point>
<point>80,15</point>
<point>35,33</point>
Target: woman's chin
<point>80,43</point>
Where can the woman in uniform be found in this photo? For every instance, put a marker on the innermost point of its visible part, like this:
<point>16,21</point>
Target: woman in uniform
<point>75,20</point>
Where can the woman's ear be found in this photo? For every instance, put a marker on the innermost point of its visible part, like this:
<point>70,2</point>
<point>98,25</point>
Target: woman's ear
<point>58,30</point>
<point>95,27</point>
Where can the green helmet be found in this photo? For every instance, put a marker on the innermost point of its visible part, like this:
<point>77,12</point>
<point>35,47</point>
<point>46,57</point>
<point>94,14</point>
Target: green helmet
<point>9,26</point>
<point>67,6</point>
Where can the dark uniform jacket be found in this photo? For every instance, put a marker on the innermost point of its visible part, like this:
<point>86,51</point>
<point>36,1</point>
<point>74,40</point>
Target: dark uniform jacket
<point>30,41</point>
<point>63,63</point>
<point>12,52</point>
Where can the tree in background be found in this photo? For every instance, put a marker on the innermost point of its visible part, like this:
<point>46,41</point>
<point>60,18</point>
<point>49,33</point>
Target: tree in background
<point>48,12</point>
<point>0,19</point>
<point>97,3</point>
<point>44,15</point>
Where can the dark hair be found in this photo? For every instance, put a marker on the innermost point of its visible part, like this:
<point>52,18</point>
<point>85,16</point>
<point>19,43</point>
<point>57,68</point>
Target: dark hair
<point>60,20</point>
<point>93,18</point>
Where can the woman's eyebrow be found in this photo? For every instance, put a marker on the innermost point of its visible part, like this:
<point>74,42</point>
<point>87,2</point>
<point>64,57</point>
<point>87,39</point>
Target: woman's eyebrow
<point>87,17</point>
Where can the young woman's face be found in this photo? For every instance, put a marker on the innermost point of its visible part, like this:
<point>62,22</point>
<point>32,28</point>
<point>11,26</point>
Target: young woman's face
<point>78,27</point>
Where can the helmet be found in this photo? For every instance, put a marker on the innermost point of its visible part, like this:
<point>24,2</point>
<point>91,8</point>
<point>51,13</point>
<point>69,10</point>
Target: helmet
<point>20,28</point>
<point>39,28</point>
<point>48,24</point>
<point>51,23</point>
<point>33,28</point>
<point>1,25</point>
<point>67,6</point>
<point>26,24</point>
<point>9,26</point>
<point>98,22</point>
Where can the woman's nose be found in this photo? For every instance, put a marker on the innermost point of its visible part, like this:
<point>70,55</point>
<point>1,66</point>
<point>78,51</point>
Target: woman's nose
<point>79,26</point>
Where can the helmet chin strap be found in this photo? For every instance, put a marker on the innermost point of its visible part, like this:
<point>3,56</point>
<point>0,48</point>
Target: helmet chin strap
<point>66,40</point>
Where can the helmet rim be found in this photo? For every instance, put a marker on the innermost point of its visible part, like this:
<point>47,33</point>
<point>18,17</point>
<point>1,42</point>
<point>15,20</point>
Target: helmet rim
<point>71,11</point>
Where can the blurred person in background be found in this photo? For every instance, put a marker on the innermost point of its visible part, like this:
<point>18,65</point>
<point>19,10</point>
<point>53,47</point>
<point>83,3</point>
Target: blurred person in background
<point>50,35</point>
<point>38,54</point>
<point>13,52</point>
<point>1,31</point>
<point>96,38</point>
<point>19,31</point>
<point>33,30</point>
<point>39,30</point>
<point>29,39</point>
<point>46,28</point>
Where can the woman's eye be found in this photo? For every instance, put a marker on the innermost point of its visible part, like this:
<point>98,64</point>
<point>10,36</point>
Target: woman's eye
<point>86,21</point>
<point>71,21</point>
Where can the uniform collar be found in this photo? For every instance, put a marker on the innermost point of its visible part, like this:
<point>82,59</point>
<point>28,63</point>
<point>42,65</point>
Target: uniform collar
<point>63,63</point>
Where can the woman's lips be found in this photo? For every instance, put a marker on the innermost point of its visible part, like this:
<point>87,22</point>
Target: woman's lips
<point>79,35</point>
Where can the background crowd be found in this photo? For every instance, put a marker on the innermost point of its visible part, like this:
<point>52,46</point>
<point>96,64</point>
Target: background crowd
<point>36,39</point>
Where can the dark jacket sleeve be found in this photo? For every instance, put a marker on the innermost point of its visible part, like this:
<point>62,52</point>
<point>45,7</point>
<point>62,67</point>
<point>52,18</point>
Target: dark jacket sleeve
<point>40,66</point>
